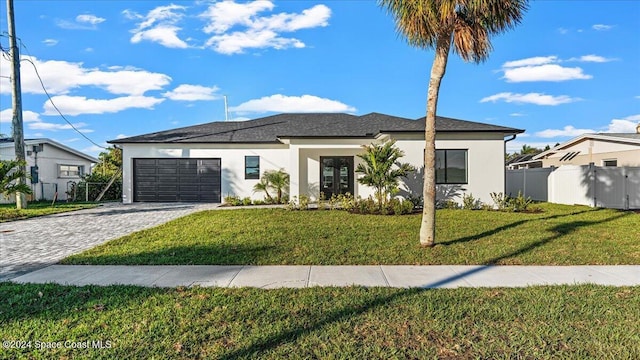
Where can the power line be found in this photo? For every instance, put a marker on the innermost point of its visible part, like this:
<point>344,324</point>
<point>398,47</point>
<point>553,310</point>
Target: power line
<point>51,100</point>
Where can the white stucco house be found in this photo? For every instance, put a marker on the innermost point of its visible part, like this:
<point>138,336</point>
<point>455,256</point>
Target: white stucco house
<point>210,161</point>
<point>603,149</point>
<point>51,165</point>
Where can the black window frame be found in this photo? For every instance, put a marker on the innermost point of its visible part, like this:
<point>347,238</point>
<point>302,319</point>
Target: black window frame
<point>253,175</point>
<point>610,162</point>
<point>466,168</point>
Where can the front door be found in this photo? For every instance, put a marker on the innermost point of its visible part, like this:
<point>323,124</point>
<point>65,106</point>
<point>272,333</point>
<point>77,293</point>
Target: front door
<point>336,175</point>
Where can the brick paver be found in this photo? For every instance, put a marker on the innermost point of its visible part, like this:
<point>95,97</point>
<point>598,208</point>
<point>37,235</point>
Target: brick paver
<point>27,245</point>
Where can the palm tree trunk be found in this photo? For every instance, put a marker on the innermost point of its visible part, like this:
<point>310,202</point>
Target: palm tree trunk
<point>428,226</point>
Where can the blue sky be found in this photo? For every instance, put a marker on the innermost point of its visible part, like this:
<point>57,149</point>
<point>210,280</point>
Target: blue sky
<point>124,68</point>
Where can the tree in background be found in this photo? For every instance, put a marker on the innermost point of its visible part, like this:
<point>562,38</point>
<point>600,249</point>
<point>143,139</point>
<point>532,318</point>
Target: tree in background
<point>437,24</point>
<point>9,174</point>
<point>109,165</point>
<point>110,162</point>
<point>381,169</point>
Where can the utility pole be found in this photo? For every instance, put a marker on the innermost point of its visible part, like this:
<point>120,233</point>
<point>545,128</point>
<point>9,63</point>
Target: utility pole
<point>16,102</point>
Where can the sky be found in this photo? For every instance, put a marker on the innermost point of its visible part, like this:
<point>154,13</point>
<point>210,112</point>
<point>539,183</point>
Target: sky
<point>123,68</point>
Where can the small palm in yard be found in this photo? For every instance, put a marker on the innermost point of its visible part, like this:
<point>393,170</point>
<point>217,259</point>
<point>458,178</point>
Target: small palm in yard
<point>381,169</point>
<point>263,186</point>
<point>275,180</point>
<point>10,173</point>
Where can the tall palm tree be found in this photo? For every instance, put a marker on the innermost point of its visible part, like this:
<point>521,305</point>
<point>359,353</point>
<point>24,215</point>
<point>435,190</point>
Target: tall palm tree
<point>10,173</point>
<point>437,24</point>
<point>381,169</point>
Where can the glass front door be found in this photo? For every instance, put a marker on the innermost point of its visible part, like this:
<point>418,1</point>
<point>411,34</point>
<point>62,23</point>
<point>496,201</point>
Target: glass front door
<point>336,175</point>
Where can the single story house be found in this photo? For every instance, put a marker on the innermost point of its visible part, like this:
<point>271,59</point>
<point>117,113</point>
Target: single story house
<point>318,150</point>
<point>603,149</point>
<point>52,166</point>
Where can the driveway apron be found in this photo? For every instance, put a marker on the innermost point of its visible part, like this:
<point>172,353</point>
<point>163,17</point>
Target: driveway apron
<point>28,245</point>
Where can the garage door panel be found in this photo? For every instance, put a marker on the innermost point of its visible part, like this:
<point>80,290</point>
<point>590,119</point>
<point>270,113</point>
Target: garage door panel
<point>170,180</point>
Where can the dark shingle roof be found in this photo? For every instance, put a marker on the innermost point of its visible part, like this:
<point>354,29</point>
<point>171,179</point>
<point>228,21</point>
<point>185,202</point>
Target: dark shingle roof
<point>313,125</point>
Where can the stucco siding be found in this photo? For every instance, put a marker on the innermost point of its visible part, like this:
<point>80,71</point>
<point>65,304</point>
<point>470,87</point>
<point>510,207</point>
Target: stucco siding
<point>485,165</point>
<point>48,161</point>
<point>272,157</point>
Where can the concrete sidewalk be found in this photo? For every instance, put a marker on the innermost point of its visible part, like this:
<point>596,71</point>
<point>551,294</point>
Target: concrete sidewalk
<point>399,276</point>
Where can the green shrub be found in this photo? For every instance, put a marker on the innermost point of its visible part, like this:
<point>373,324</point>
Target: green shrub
<point>520,203</point>
<point>246,201</point>
<point>500,200</point>
<point>232,200</point>
<point>304,202</point>
<point>447,204</point>
<point>347,201</point>
<point>470,203</point>
<point>293,204</point>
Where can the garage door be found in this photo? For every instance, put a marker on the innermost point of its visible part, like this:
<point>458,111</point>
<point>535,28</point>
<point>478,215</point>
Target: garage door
<point>167,180</point>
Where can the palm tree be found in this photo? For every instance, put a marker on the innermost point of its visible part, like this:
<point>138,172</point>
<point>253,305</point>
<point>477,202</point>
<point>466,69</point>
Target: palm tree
<point>468,24</point>
<point>278,181</point>
<point>263,186</point>
<point>378,169</point>
<point>10,173</point>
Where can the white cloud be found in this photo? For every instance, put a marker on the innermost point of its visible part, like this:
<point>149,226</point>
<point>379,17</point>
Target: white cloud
<point>121,136</point>
<point>601,27</point>
<point>165,35</point>
<point>90,19</point>
<point>50,42</point>
<point>567,131</point>
<point>223,15</point>
<point>530,98</point>
<point>76,105</point>
<point>82,22</point>
<point>291,104</point>
<point>159,25</point>
<point>546,72</point>
<point>41,125</point>
<point>517,114</point>
<point>259,31</point>
<point>186,92</point>
<point>563,31</point>
<point>592,58</point>
<point>6,116</point>
<point>624,125</point>
<point>60,77</point>
<point>532,61</point>
<point>237,42</point>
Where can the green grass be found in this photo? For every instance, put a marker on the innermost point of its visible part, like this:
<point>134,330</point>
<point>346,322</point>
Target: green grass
<point>8,212</point>
<point>560,235</point>
<point>567,322</point>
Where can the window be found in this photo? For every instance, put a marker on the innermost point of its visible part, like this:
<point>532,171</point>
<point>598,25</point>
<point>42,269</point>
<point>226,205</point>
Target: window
<point>611,162</point>
<point>70,171</point>
<point>252,167</point>
<point>451,166</point>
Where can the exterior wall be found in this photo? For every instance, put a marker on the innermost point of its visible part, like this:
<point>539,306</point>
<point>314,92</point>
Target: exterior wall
<point>485,164</point>
<point>301,159</point>
<point>309,152</point>
<point>48,161</point>
<point>596,151</point>
<point>624,158</point>
<point>272,157</point>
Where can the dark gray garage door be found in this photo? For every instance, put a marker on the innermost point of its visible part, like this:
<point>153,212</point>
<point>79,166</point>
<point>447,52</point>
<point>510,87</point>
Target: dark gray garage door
<point>190,180</point>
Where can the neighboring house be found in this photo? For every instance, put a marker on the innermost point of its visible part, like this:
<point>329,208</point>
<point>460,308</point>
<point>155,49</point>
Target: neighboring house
<point>523,161</point>
<point>52,166</point>
<point>210,161</point>
<point>603,149</point>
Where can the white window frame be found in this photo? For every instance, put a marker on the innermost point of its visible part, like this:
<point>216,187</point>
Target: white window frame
<point>68,173</point>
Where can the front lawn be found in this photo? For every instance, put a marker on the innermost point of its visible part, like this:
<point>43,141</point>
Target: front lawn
<point>567,322</point>
<point>8,212</point>
<point>561,235</point>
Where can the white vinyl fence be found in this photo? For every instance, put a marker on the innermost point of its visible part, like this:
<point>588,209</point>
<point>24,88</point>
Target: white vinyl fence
<point>610,187</point>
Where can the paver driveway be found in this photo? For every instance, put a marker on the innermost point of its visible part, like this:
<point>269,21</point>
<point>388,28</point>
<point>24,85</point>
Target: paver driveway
<point>27,245</point>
